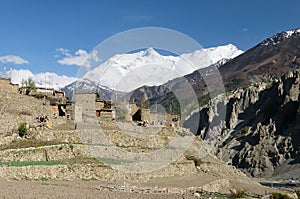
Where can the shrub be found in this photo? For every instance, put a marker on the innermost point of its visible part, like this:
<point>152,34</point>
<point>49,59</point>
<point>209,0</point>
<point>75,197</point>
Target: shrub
<point>71,147</point>
<point>203,99</point>
<point>279,196</point>
<point>242,132</point>
<point>22,129</point>
<point>245,129</point>
<point>237,194</point>
<point>269,85</point>
<point>233,84</point>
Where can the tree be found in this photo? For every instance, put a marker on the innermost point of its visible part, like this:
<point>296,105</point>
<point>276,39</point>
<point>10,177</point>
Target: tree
<point>22,130</point>
<point>28,85</point>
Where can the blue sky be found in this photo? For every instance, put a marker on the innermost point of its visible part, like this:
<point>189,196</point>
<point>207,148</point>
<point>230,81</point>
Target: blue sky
<point>35,29</point>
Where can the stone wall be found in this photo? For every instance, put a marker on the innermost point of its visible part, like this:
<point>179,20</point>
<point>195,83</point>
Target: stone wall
<point>145,113</point>
<point>85,106</point>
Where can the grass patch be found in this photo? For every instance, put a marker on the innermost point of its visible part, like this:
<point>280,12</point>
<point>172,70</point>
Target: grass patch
<point>82,160</point>
<point>137,149</point>
<point>69,162</point>
<point>55,184</point>
<point>88,179</point>
<point>28,143</point>
<point>3,163</point>
<point>113,161</point>
<point>216,196</point>
<point>29,163</point>
<point>233,84</point>
<point>203,99</point>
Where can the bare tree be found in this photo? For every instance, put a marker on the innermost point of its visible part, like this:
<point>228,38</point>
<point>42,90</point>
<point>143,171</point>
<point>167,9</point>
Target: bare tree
<point>28,85</point>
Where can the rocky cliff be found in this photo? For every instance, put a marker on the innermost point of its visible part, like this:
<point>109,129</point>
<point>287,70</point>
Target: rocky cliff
<point>257,128</point>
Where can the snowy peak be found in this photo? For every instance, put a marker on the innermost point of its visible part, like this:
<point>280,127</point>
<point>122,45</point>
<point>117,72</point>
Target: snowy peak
<point>85,85</point>
<point>215,54</point>
<point>221,62</point>
<point>150,52</point>
<point>148,67</point>
<point>279,37</point>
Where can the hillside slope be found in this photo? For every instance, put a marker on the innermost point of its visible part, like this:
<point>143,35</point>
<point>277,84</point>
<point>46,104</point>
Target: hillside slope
<point>16,108</point>
<point>256,129</point>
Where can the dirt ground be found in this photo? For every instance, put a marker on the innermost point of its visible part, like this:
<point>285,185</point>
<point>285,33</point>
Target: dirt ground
<point>92,189</point>
<point>69,189</point>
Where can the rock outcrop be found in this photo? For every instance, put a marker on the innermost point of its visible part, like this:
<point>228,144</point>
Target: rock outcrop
<point>256,129</point>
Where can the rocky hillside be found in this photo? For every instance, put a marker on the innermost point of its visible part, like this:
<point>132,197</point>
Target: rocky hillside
<point>256,129</point>
<point>16,108</point>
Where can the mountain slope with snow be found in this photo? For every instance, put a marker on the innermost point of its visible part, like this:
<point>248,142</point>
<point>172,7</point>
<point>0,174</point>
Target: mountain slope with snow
<point>87,86</point>
<point>126,72</point>
<point>279,37</point>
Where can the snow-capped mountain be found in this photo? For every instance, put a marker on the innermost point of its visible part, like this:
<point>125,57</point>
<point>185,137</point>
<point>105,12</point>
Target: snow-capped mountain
<point>85,85</point>
<point>279,37</point>
<point>206,57</point>
<point>47,80</point>
<point>125,72</point>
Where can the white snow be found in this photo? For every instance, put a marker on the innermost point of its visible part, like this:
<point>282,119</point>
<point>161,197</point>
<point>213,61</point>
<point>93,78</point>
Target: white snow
<point>279,37</point>
<point>125,72</point>
<point>292,32</point>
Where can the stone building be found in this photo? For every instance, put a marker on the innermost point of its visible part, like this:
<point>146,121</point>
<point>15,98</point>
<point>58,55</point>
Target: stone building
<point>43,91</point>
<point>104,110</point>
<point>138,114</point>
<point>89,106</point>
<point>59,104</point>
<point>92,105</point>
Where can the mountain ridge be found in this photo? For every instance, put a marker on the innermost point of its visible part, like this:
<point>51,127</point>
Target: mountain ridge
<point>256,64</point>
<point>121,65</point>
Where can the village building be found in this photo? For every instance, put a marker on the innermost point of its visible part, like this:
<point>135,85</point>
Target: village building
<point>94,106</point>
<point>59,104</point>
<point>137,114</point>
